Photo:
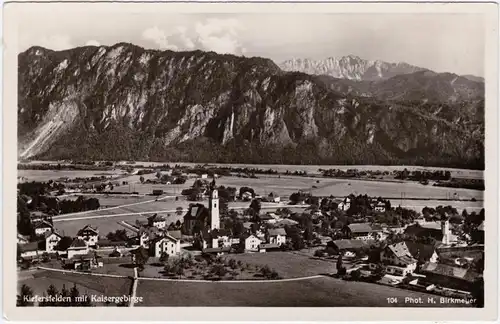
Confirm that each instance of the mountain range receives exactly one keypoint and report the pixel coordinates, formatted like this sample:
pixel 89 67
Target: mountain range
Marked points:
pixel 353 67
pixel 124 102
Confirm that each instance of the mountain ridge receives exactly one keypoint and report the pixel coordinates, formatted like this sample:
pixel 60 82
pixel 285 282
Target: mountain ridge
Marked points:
pixel 353 67
pixel 126 102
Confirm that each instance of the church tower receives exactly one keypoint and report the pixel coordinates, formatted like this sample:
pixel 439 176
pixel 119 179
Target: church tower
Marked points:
pixel 213 205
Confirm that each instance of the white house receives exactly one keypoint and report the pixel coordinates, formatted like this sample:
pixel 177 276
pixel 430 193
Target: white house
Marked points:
pixel 89 235
pixel 157 221
pixel 216 238
pixel 167 244
pixel 345 204
pixel 398 259
pixel 51 241
pixel 42 227
pixel 77 247
pixel 246 196
pixel 277 236
pixel 379 207
pixel 250 243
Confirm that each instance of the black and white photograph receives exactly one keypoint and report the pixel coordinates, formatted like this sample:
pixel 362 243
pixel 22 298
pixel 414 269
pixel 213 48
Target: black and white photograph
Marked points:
pixel 250 157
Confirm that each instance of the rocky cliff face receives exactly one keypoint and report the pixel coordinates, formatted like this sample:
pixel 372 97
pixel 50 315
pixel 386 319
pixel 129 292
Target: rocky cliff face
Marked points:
pixel 124 102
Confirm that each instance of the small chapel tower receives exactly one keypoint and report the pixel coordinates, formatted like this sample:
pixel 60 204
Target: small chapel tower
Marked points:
pixel 213 205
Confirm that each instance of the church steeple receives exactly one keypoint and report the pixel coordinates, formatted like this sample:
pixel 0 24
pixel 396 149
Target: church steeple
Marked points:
pixel 213 203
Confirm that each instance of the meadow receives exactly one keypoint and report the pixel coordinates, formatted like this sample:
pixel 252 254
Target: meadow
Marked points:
pixel 316 292
pixel 86 284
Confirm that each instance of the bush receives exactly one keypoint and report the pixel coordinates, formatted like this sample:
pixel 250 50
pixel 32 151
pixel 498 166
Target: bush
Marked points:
pixel 319 253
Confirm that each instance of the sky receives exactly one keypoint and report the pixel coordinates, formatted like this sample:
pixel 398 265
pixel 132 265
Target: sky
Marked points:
pixel 440 42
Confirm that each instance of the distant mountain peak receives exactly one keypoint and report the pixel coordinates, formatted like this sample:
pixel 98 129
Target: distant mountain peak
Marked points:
pixel 350 67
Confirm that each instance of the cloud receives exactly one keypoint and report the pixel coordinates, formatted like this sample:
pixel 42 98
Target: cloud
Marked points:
pixel 92 42
pixel 220 35
pixel 55 42
pixel 214 34
pixel 159 37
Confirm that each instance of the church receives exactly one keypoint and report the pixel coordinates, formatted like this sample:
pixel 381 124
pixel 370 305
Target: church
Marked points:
pixel 200 218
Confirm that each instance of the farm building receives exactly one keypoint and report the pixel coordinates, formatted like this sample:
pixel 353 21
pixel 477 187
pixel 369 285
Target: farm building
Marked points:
pixel 449 276
pixel 363 231
pixel 343 246
pixel 77 247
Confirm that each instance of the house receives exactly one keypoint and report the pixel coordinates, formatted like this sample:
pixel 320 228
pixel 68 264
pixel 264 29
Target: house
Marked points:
pixel 246 196
pixel 204 176
pixel 157 221
pixel 89 235
pixel 42 227
pixel 276 236
pixel 85 262
pixel 264 247
pixel 286 222
pixel 37 216
pixel 351 246
pixel 440 231
pixel 422 252
pixel 379 207
pixel 250 243
pixel 166 244
pixel 345 204
pixel 29 250
pixel 266 218
pixel 214 238
pixel 105 243
pixel 175 234
pixel 51 240
pixel 77 247
pixel 363 231
pixel 147 234
pixel 196 217
pixel 449 276
pixel 22 239
pixel 273 197
pixel 398 259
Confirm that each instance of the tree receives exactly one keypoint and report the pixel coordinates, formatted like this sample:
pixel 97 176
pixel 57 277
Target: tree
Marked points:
pixel 25 294
pixel 158 175
pixel 64 243
pixel 52 292
pixel 74 294
pixel 340 263
pixel 141 179
pixel 255 206
pixel 164 257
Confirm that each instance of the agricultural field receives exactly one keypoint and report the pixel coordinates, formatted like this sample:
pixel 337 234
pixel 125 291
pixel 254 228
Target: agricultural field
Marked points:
pixel 314 169
pixel 314 292
pixel 285 186
pixel 46 175
pixel 86 284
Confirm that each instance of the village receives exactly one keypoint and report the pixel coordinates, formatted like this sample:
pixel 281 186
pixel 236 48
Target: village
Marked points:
pixel 356 238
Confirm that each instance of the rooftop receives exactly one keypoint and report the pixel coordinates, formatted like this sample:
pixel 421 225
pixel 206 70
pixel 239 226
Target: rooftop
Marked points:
pixel 277 231
pixel 363 228
pixel 450 271
pixel 77 243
